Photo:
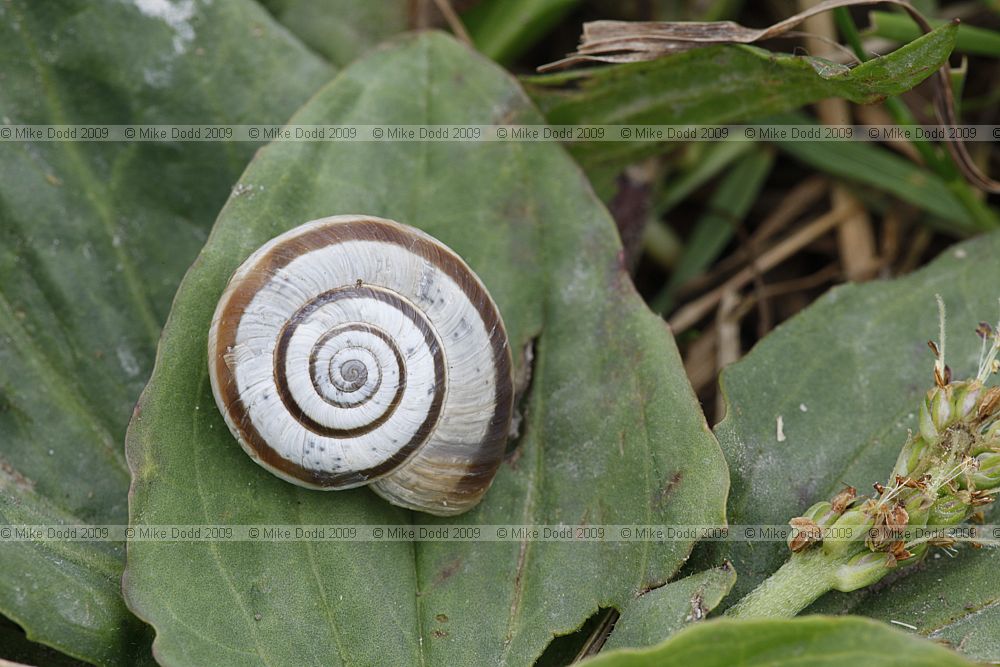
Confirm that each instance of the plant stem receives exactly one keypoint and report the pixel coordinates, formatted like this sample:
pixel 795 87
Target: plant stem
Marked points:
pixel 788 591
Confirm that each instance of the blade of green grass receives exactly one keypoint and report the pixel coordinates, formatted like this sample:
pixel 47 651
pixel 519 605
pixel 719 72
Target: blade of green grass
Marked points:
pixel 959 75
pixel 504 29
pixel 714 158
pixel 713 231
pixel 901 28
pixel 878 167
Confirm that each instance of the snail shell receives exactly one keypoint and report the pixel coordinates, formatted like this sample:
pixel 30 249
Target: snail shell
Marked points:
pixel 355 350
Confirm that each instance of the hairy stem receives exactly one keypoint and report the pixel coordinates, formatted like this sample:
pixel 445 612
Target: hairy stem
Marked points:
pixel 788 591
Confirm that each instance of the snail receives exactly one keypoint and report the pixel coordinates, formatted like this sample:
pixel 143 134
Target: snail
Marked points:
pixel 355 350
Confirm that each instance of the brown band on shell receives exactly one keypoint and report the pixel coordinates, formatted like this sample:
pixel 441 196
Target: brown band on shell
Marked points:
pixel 238 296
pixel 408 310
pixel 314 370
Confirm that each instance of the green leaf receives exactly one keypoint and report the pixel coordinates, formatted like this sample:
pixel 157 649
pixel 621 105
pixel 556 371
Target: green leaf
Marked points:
pixel 525 219
pixel 813 641
pixel 341 30
pixel 846 376
pixel 659 613
pixel 722 84
pixel 503 29
pixel 94 237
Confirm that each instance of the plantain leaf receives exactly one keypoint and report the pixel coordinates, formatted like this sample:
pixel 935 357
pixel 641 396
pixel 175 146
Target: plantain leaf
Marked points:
pixel 525 219
pixel 659 613
pixel 94 237
pixel 815 641
pixel 846 376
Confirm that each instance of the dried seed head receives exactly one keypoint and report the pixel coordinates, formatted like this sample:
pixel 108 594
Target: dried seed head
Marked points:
pixel 844 499
pixel 804 533
pixel 897 517
pixel 890 524
pixel 897 554
pixel 980 498
pixel 943 541
pixel 989 406
pixel 911 483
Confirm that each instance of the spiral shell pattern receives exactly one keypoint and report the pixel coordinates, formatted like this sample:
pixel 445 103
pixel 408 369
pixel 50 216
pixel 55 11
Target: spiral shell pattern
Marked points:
pixel 355 350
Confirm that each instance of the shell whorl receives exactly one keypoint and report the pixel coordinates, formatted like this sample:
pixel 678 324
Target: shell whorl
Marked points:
pixel 355 350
